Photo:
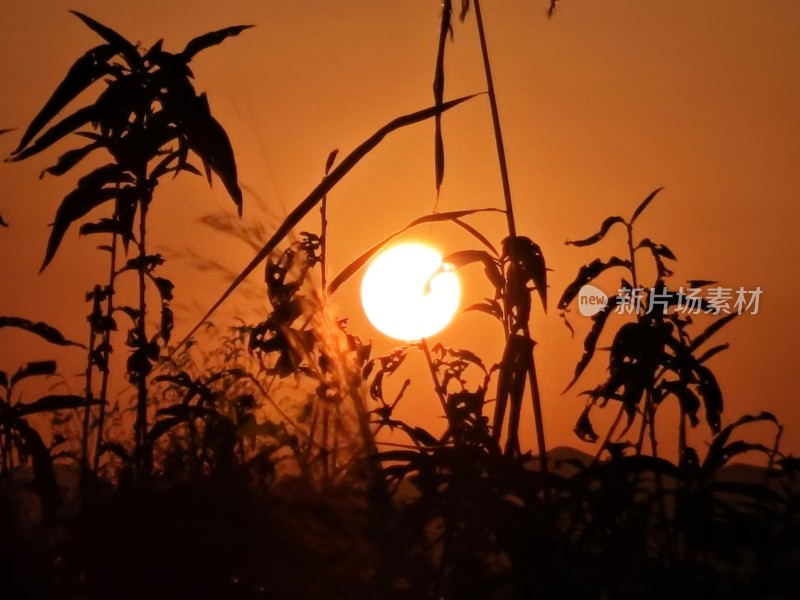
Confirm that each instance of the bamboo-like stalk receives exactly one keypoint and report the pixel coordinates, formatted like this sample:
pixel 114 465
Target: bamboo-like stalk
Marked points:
pixel 512 228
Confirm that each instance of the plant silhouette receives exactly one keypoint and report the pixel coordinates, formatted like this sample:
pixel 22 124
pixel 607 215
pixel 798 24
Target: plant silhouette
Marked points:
pixel 270 459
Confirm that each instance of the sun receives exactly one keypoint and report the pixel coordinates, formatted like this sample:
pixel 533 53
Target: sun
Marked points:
pixel 402 300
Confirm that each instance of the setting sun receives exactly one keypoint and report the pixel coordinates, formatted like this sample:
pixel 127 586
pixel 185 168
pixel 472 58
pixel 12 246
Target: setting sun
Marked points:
pixel 394 296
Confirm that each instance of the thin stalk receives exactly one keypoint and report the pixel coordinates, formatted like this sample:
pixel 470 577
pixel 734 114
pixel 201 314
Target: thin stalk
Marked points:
pixel 323 240
pixel 106 372
pixel 512 228
pixel 436 385
pixel 87 410
pixel 141 398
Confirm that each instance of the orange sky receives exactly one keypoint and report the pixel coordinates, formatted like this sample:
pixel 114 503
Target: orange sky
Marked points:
pixel 600 105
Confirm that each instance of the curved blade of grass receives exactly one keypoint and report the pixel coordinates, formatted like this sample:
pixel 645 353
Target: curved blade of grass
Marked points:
pixel 359 262
pixel 316 195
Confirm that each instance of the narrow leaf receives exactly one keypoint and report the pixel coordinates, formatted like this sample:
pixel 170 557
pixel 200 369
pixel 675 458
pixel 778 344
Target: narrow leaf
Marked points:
pixel 43 330
pixel 586 274
pixel 34 369
pixel 604 228
pixel 640 209
pixel 207 40
pixel 87 69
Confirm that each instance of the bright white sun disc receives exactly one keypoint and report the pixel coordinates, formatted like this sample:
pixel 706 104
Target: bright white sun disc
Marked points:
pixel 394 294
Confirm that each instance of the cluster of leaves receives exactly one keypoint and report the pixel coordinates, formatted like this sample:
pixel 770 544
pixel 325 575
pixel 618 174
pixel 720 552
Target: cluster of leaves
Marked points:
pixel 655 356
pixel 20 442
pixel 148 119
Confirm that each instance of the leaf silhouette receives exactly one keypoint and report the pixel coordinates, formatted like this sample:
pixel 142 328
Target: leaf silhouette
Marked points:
pixel 476 234
pixel 711 330
pixel 208 139
pixel 64 127
pixel 529 263
pixel 590 342
pixel 119 43
pixel 491 267
pixel 34 369
pixel 71 158
pixel 53 402
pixel 362 259
pixel 712 396
pixel 43 330
pixel 438 91
pixel 212 38
pixel 604 228
pixel 583 427
pixel 490 307
pixel 84 72
pixel 89 194
pixel 586 274
pixel 645 203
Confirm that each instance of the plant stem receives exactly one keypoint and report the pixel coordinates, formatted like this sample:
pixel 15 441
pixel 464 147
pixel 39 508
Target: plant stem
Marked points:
pixel 436 385
pixel 87 411
pixel 512 228
pixel 142 450
pixel 106 373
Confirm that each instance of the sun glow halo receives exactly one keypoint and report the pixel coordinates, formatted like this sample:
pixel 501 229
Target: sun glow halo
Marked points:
pixel 394 295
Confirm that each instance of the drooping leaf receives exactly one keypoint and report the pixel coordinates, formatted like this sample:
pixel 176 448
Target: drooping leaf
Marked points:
pixel 640 209
pixel 70 158
pixel 212 38
pixel 43 330
pixel 711 352
pixel 58 131
pixel 84 72
pixel 362 260
pixel 53 402
pixel 320 191
pixel 165 287
pixel 604 228
pixel 208 139
pixel 88 195
pixel 104 225
pixel 476 234
pixel 711 330
pixel 583 427
pixel 712 396
pixel 33 369
pixel 529 264
pixel 586 274
pixel 590 342
pixel 688 400
pixel 490 307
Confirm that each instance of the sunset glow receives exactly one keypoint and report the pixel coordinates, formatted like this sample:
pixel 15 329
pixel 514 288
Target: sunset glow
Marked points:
pixel 394 296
